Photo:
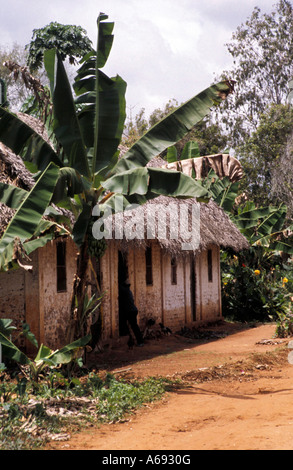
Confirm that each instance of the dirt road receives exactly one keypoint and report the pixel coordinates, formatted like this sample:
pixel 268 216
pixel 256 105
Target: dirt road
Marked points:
pixel 237 395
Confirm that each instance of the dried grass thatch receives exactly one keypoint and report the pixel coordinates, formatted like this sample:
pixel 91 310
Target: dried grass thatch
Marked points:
pixel 215 227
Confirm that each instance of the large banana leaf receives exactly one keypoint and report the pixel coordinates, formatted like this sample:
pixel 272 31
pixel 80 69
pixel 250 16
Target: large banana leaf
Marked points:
pixel 44 355
pixel 173 127
pixel 65 122
pixel 268 219
pixel 102 131
pixel 105 39
pixel 224 192
pixel 69 183
pixel 45 232
pixel 81 225
pixel 142 181
pixel 103 101
pixel 68 352
pixel 11 195
pixel 11 351
pixel 264 226
pixel 24 141
pixel 29 214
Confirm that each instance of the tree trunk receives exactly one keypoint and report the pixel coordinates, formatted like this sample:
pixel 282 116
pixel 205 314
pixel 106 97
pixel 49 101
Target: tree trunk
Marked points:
pixel 77 327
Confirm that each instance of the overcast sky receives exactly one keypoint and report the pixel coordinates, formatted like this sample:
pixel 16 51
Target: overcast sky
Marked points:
pixel 163 49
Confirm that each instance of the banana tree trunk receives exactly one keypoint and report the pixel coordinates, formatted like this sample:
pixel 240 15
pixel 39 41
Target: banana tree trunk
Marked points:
pixel 77 324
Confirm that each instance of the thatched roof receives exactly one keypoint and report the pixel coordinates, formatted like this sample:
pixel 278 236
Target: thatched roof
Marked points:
pixel 214 225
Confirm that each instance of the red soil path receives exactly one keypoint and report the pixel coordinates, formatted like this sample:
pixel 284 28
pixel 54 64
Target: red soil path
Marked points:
pixel 237 394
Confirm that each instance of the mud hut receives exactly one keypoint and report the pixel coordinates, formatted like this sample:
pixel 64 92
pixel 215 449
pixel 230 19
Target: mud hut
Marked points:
pixel 173 265
pixel 39 292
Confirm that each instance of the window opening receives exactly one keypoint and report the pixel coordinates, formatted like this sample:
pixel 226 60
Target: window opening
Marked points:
pixel 61 267
pixel 149 266
pixel 173 271
pixel 210 265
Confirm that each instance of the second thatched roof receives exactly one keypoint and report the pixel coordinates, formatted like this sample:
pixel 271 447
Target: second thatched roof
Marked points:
pixel 213 226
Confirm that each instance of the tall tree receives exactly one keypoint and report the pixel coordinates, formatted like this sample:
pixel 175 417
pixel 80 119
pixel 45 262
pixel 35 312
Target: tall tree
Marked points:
pixel 262 50
pixel 71 42
pixel 265 156
pixel 282 175
pixel 17 92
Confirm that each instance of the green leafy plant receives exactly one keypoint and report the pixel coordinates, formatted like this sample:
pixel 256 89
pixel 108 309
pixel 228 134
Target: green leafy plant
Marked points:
pixel 70 40
pixel 118 398
pixel 284 326
pixel 45 357
pixel 253 287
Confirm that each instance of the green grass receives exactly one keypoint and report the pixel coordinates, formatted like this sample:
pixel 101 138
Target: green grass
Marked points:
pixel 32 414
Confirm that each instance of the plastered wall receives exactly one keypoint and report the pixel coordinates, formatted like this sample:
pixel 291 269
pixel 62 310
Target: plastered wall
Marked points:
pixel 163 301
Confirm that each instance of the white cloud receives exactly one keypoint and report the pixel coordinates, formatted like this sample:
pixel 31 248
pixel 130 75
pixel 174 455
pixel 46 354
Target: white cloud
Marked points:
pixel 164 49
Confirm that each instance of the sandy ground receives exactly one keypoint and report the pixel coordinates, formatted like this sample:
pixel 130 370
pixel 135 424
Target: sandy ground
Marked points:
pixel 237 394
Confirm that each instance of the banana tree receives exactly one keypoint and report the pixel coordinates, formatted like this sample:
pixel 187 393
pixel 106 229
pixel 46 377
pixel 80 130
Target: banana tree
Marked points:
pixel 45 357
pixel 87 129
pixel 262 226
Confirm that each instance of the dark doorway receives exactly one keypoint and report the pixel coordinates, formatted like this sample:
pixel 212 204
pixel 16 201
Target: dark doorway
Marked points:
pixel 122 276
pixel 193 288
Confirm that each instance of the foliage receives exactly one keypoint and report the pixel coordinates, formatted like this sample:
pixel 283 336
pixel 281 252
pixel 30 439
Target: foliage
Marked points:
pixel 45 357
pixel 261 154
pixel 252 282
pixel 27 220
pixel 6 326
pixel 31 416
pixel 265 226
pixel 17 92
pixel 207 134
pixel 71 41
pixel 253 287
pixel 262 52
pixel 282 176
pixel 262 226
pixel 119 398
pixel 284 323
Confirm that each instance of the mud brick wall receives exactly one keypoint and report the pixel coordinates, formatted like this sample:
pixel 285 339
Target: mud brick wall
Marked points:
pixel 12 297
pixel 148 298
pixel 54 309
pixel 164 301
pixel 109 288
pixel 209 306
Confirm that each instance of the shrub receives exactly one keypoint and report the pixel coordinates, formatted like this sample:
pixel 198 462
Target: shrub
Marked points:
pixel 256 286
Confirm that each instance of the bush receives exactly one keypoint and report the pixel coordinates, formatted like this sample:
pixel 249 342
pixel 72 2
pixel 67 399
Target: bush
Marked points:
pixel 256 286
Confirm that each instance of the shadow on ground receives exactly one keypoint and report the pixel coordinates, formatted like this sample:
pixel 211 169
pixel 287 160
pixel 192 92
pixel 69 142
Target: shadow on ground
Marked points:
pixel 119 355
